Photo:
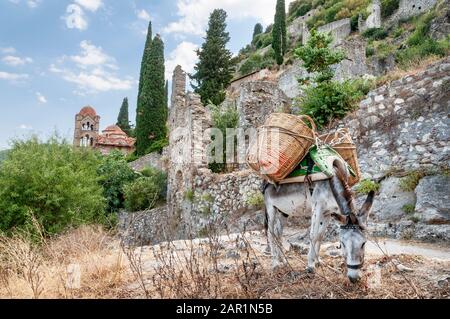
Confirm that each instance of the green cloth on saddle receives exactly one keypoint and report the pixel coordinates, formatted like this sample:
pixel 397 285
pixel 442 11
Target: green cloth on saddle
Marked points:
pixel 320 156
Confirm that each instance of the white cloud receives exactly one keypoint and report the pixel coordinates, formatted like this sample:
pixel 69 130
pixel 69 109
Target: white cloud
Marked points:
pixel 25 127
pixel 33 3
pixel 143 15
pixel 8 50
pixel 91 55
pixel 92 70
pixel 30 3
pixel 16 61
pixel 91 5
pixel 184 55
pixel 12 76
pixel 75 18
pixel 194 14
pixel 41 99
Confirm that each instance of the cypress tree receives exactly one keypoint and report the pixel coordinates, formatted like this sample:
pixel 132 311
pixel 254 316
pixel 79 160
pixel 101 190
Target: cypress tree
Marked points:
pixel 166 97
pixel 279 38
pixel 258 29
pixel 144 65
pixel 213 72
pixel 151 114
pixel 122 120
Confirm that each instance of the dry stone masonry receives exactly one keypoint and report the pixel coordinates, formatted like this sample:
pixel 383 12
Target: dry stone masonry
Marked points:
pixel 404 124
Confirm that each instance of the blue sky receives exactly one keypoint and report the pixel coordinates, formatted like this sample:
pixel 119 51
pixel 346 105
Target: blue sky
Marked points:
pixel 57 56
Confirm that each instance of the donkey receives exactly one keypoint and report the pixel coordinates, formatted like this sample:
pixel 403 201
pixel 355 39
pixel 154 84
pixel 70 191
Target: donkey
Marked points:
pixel 327 200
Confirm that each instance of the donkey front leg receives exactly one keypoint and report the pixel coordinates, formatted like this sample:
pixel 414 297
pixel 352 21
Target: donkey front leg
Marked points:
pixel 319 223
pixel 275 222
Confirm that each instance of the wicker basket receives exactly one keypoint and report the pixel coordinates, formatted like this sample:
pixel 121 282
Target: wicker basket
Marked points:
pixel 342 142
pixel 282 142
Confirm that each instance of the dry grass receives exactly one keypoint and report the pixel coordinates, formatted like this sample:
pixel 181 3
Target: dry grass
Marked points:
pixel 413 68
pixel 30 269
pixel 197 269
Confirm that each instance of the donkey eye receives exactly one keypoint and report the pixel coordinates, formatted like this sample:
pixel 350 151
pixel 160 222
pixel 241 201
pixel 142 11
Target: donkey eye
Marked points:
pixel 364 244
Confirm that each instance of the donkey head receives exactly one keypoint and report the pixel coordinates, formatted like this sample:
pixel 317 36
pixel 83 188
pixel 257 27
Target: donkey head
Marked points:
pixel 353 237
pixel 353 223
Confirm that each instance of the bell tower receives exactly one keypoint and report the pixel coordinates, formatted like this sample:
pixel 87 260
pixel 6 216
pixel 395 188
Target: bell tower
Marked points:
pixel 87 124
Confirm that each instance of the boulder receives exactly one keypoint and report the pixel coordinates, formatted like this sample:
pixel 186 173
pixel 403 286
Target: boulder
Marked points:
pixel 388 205
pixel 433 200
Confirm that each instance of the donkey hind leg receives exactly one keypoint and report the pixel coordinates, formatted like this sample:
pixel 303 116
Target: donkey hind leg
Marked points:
pixel 275 220
pixel 319 223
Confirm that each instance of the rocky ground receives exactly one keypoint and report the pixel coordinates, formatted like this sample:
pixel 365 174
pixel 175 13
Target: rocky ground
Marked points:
pixel 239 267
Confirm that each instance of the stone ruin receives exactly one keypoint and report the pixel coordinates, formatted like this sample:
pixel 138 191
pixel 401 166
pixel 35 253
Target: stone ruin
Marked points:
pixel 373 20
pixel 339 30
pixel 195 193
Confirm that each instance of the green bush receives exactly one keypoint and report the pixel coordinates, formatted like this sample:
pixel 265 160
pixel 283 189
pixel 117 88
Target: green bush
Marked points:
pixel 54 182
pixel 409 208
pixel 262 40
pixel 146 191
pixel 366 185
pixel 298 9
pixel 325 99
pixel 258 62
pixel 255 200
pixel 370 51
pixel 131 157
pixel 329 100
pixel 409 182
pixel 189 195
pixel 388 7
pixel 375 34
pixel 158 145
pixel 223 116
pixel 114 174
pixel 409 57
pixel 398 32
pixel 420 45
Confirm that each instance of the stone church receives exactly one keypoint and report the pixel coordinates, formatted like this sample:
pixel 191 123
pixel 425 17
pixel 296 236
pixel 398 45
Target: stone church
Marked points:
pixel 87 125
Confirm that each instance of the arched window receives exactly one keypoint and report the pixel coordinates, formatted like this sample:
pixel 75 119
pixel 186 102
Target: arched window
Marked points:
pixel 81 142
pixel 92 141
pixel 92 127
pixel 83 127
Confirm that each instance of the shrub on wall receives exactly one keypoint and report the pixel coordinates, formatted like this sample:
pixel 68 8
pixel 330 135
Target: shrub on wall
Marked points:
pixel 323 98
pixel 375 34
pixel 223 116
pixel 420 45
pixel 114 174
pixel 146 191
pixel 388 7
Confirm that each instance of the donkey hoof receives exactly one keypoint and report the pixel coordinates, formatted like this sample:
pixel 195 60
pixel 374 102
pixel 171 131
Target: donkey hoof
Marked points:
pixel 310 270
pixel 267 251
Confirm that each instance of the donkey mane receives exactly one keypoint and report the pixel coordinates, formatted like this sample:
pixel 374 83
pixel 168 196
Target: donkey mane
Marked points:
pixel 341 190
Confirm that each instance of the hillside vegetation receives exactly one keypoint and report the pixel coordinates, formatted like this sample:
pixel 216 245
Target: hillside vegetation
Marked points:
pixel 407 43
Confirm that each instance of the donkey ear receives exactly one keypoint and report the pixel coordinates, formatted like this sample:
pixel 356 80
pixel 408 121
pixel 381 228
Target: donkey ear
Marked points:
pixel 365 209
pixel 339 218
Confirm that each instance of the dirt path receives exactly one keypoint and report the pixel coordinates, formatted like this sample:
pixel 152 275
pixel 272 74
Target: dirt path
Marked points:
pixel 391 246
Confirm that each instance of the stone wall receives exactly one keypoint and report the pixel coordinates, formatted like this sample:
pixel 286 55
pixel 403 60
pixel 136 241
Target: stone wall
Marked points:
pixel 188 122
pixel 295 28
pixel 373 20
pixel 411 8
pixel 339 30
pixel 356 64
pixel 408 9
pixel 154 160
pixel 404 124
pixel 259 99
pixel 224 195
